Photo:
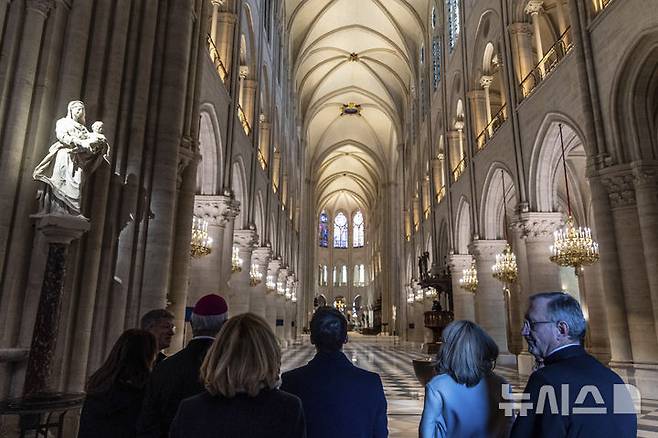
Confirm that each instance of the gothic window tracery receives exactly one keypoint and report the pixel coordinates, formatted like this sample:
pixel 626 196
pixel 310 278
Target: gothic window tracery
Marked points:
pixel 340 231
pixel 324 230
pixel 358 238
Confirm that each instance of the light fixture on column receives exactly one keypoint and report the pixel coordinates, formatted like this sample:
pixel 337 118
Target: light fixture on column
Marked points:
pixel 573 246
pixel 430 292
pixel 269 283
pixel 236 261
pixel 410 294
pixel 280 290
pixel 201 244
pixel 505 269
pixel 469 280
pixel 255 276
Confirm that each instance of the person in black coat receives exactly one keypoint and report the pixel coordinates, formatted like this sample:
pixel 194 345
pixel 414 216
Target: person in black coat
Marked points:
pixel 339 399
pixel 598 405
pixel 241 374
pixel 115 391
pixel 177 377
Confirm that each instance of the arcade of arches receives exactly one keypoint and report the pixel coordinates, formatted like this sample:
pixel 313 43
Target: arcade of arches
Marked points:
pixel 324 146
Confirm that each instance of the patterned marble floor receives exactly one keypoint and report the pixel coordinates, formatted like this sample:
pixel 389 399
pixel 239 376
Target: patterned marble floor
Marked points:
pixel 391 359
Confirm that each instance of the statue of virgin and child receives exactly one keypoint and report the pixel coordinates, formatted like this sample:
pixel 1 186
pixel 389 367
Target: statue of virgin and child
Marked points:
pixel 70 161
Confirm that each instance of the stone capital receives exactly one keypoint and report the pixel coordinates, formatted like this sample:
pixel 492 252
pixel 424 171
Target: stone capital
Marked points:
pixel 645 175
pixel 61 228
pixel 261 256
pixel 215 209
pixel 283 274
pixel 217 2
pixel 227 17
pixel 520 28
pixel 485 81
pixel 459 262
pixel 534 7
pixel 619 182
pixel 538 225
pixel 246 240
pixel 485 250
pixel 42 7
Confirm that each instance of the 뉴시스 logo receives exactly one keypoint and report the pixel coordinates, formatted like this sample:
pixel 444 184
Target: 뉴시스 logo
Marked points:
pixel 626 400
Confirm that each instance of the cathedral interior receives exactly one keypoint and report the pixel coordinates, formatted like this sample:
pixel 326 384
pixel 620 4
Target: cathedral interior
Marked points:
pixel 408 162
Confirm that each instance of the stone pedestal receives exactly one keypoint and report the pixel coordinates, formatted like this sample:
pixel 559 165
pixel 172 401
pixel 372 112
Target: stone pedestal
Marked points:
pixel 490 310
pixel 239 290
pixel 463 300
pixel 59 231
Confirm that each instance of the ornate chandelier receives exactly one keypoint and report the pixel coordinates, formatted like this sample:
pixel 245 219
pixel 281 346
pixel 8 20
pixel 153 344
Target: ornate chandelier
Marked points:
pixel 573 246
pixel 505 268
pixel 270 284
pixel 255 276
pixel 236 261
pixel 201 244
pixel 279 288
pixel 469 280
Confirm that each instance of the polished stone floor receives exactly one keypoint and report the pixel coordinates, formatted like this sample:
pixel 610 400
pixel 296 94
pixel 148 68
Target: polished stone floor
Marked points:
pixel 391 359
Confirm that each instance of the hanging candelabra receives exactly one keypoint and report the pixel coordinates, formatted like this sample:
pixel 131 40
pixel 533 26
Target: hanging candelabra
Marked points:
pixel 573 246
pixel 469 280
pixel 201 244
pixel 269 283
pixel 255 276
pixel 236 261
pixel 505 268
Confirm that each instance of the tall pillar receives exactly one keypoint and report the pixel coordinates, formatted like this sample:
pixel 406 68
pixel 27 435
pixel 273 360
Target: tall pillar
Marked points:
pixel 533 8
pixel 562 21
pixel 281 306
pixel 226 25
pixel 290 309
pixel 646 192
pixel 271 308
pixel 260 258
pixel 214 21
pixel 490 309
pixel 485 82
pixel 231 211
pixel 521 34
pixel 249 87
pixel 264 140
pixel 463 300
pixel 478 103
pixel 239 290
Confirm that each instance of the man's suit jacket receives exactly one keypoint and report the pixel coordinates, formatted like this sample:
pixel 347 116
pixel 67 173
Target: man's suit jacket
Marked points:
pixel 172 380
pixel 339 399
pixel 572 366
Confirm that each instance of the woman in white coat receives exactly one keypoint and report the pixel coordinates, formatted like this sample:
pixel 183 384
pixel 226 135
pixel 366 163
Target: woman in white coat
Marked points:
pixel 462 400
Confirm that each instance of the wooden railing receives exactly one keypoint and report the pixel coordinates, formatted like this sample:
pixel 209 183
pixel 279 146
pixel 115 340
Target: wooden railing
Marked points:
pixel 547 64
pixel 459 169
pixel 491 128
pixel 243 120
pixel 217 60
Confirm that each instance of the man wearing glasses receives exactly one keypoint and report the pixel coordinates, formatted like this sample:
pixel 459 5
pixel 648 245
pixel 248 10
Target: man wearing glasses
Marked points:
pixel 572 394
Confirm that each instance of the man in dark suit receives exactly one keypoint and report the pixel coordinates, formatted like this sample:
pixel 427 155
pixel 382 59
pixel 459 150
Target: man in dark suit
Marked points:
pixel 598 404
pixel 160 322
pixel 177 377
pixel 339 399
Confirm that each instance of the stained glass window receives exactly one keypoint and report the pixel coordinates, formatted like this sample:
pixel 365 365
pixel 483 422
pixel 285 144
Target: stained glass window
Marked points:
pixel 359 232
pixel 340 231
pixel 453 22
pixel 324 229
pixel 436 61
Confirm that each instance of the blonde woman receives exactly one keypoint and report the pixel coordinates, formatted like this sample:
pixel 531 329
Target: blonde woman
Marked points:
pixel 241 376
pixel 462 401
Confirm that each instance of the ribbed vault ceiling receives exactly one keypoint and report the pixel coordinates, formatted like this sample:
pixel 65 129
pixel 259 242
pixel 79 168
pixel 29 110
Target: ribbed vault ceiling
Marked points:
pixel 351 155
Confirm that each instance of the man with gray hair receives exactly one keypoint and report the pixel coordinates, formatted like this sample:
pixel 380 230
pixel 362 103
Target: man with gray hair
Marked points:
pixel 572 394
pixel 178 377
pixel 160 322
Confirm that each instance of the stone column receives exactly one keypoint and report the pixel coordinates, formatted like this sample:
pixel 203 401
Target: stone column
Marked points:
pixel 478 103
pixel 249 87
pixel 290 309
pixel 226 26
pixel 271 308
pixel 264 140
pixel 281 306
pixel 645 179
pixel 522 49
pixel 635 283
pixel 260 258
pixel 59 231
pixel 485 82
pixel 463 300
pixel 214 21
pixel 533 8
pixel 239 290
pixel 490 310
pixel 230 212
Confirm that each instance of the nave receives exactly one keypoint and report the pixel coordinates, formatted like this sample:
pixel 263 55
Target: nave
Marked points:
pixel 391 359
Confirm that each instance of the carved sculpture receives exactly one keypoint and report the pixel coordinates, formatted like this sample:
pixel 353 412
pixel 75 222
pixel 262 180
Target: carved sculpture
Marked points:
pixel 70 161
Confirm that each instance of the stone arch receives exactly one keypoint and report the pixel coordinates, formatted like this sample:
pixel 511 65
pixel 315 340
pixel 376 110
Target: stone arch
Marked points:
pixel 239 186
pixel 209 171
pixel 443 247
pixel 463 235
pixel 545 161
pixel 635 102
pixel 492 207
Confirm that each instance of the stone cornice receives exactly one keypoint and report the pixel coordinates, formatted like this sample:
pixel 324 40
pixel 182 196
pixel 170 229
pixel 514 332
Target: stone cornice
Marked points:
pixel 245 239
pixel 645 175
pixel 216 209
pixel 459 262
pixel 620 184
pixel 261 256
pixel 486 249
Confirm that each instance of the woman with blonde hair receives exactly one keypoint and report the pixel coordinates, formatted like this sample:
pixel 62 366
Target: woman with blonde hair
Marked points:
pixel 462 400
pixel 241 374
